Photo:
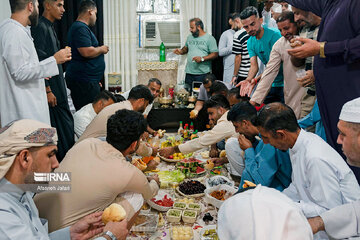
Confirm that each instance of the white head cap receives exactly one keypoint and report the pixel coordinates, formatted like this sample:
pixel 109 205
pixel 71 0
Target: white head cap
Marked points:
pixel 276 8
pixel 262 213
pixel 350 112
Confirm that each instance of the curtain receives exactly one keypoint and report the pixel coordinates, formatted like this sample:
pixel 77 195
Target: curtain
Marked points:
pixel 121 37
pixel 190 9
pixel 220 24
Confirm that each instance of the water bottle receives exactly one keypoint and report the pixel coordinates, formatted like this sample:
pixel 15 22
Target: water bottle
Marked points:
pixel 162 52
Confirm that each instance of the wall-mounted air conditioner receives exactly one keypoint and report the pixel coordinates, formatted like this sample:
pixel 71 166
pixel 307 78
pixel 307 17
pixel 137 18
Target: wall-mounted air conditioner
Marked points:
pixel 156 31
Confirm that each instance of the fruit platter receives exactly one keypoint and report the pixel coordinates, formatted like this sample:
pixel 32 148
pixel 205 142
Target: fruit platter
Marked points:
pixel 176 157
pixel 191 188
pixel 192 168
pixel 168 177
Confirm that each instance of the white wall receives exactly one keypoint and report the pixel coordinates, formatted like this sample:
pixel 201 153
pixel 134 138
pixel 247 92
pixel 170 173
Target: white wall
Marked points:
pixel 4 10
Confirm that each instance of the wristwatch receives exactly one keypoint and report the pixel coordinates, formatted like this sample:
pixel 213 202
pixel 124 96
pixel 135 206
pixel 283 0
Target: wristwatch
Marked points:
pixel 110 234
pixel 202 59
pixel 322 50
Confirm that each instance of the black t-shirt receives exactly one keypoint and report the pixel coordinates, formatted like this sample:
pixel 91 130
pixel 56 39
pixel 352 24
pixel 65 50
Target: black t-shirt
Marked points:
pixel 80 68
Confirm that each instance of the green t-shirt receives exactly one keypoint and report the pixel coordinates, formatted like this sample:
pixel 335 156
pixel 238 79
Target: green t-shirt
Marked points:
pixel 200 46
pixel 262 48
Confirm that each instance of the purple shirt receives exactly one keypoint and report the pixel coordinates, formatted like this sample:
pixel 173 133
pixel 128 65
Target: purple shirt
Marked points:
pixel 338 75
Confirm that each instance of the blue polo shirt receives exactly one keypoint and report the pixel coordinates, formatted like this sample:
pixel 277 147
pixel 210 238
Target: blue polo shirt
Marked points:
pixel 80 68
pixel 267 166
pixel 262 48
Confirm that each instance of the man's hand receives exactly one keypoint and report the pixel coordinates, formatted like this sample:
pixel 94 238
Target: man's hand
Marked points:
pixel 244 142
pixel 104 49
pixel 197 59
pixel 317 224
pixel 51 99
pixel 219 161
pixel 308 79
pixel 233 81
pixel 214 152
pixel 119 229
pixel 308 49
pixel 253 103
pixel 177 51
pixel 246 87
pixel 166 152
pixel 194 113
pixel 145 136
pixel 63 55
pixel 154 177
pixel 87 227
pixel 152 165
pixel 155 151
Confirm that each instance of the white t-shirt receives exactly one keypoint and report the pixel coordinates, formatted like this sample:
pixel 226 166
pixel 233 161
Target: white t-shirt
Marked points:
pixel 83 118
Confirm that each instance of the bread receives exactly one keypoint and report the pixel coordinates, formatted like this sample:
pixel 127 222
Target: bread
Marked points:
pixel 210 165
pixel 114 213
pixel 157 159
pixel 222 153
pixel 137 162
pixel 248 184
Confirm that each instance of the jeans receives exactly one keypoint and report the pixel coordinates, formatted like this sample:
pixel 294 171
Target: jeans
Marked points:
pixel 190 78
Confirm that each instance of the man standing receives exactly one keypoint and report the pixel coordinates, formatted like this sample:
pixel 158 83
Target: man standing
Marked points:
pixel 225 50
pixel 260 45
pixel 85 71
pixel 279 56
pixel 344 221
pixel 22 92
pixel 242 58
pixel 200 48
pixel 337 56
pixel 321 180
pixel 46 44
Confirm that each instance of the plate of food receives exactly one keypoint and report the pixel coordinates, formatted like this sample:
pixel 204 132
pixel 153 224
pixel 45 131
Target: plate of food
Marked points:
pixel 161 202
pixel 218 194
pixel 145 223
pixel 169 177
pixel 218 180
pixel 191 188
pixel 176 157
pixel 209 233
pixel 192 167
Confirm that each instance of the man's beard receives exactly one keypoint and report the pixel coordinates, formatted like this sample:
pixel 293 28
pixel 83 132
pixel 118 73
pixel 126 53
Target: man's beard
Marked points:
pixel 196 34
pixel 34 18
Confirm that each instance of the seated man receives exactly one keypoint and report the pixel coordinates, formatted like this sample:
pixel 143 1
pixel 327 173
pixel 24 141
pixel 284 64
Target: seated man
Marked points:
pixel 217 108
pixel 234 97
pixel 154 86
pixel 321 179
pixel 262 163
pixel 262 213
pixel 344 221
pixel 28 146
pixel 219 88
pixel 139 97
pixel 101 175
pixel 87 113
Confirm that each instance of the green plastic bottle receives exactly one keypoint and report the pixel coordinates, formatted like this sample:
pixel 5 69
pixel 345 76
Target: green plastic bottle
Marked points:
pixel 162 52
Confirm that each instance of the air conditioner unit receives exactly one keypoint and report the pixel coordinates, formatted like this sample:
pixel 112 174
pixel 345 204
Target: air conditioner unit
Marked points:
pixel 156 31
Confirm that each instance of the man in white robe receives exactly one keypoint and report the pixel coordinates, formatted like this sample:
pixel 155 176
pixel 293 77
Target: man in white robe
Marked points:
pixel 22 92
pixel 321 179
pixel 344 221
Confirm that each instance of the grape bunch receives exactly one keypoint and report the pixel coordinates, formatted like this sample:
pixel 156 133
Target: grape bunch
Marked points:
pixel 192 187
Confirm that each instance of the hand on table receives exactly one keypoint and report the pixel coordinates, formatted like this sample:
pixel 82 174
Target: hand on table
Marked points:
pixel 214 153
pixel 87 227
pixel 308 49
pixel 219 161
pixel 244 142
pixel 152 165
pixel 308 79
pixel 154 177
pixel 166 152
pixel 155 151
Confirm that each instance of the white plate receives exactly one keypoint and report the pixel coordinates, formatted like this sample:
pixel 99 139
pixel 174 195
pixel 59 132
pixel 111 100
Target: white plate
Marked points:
pixel 160 196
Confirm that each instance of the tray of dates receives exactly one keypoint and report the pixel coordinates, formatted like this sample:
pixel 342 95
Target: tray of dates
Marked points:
pixel 191 188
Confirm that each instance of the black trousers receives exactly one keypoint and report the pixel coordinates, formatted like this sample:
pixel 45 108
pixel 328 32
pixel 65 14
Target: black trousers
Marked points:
pixel 82 93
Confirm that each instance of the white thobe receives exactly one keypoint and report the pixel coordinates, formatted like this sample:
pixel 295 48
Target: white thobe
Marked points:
pixel 321 179
pixel 83 118
pixel 147 109
pixel 22 91
pixel 225 51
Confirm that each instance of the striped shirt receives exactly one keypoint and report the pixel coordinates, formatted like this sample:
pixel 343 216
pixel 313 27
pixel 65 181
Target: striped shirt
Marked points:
pixel 240 47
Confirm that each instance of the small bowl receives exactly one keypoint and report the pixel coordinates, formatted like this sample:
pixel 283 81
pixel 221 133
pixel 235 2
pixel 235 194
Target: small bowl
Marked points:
pixel 195 207
pixel 190 236
pixel 180 205
pixel 171 218
pixel 189 219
